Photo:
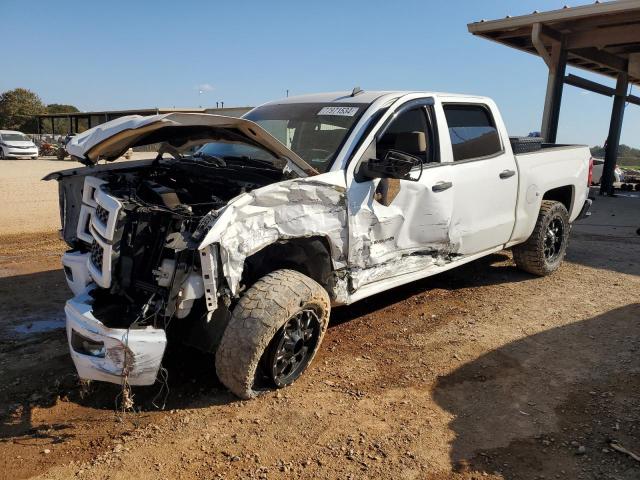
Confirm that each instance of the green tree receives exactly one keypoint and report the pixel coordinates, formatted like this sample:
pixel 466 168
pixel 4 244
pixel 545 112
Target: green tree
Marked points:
pixel 626 155
pixel 62 124
pixel 18 108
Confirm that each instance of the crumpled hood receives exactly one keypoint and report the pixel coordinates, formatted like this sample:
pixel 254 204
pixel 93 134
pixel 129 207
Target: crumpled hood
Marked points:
pixel 110 140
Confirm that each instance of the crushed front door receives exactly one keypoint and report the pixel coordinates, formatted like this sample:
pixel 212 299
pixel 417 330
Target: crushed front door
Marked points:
pixel 400 226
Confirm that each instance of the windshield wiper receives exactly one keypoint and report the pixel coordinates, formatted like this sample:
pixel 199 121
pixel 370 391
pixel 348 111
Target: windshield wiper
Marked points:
pixel 245 158
pixel 217 161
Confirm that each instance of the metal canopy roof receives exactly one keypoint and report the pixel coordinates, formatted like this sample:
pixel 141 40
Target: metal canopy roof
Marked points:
pixel 140 111
pixel 602 38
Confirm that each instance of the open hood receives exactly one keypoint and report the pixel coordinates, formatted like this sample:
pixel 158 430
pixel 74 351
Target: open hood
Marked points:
pixel 110 140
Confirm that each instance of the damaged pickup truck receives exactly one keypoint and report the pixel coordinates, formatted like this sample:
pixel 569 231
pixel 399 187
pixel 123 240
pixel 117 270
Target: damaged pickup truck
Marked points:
pixel 240 234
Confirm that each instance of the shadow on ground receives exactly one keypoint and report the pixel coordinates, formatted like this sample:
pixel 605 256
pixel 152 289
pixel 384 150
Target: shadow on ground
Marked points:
pixel 48 374
pixel 610 238
pixel 493 269
pixel 519 410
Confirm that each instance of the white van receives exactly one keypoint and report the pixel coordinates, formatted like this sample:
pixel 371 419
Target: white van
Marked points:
pixel 15 144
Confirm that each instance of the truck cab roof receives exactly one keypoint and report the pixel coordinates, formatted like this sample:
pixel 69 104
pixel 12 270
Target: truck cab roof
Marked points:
pixel 363 96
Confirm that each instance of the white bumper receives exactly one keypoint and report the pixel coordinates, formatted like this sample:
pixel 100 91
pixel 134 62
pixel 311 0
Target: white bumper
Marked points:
pixel 21 152
pixel 139 350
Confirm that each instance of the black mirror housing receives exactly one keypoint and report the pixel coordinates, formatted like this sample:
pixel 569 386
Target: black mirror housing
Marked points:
pixel 394 165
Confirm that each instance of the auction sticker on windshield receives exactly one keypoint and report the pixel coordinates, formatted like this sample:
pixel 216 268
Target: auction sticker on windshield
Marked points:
pixel 339 111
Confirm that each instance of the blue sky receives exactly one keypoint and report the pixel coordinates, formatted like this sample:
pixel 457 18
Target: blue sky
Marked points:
pixel 116 54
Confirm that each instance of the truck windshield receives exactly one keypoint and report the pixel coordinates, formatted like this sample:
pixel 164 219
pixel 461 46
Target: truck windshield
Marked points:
pixel 315 131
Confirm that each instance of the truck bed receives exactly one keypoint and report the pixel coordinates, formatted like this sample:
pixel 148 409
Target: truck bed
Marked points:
pixel 549 167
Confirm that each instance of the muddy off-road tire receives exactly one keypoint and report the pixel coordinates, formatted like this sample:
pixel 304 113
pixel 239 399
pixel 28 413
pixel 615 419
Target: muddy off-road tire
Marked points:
pixel 274 333
pixel 544 250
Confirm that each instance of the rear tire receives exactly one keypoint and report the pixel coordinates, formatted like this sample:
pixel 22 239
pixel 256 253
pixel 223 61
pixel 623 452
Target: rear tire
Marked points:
pixel 274 332
pixel 544 250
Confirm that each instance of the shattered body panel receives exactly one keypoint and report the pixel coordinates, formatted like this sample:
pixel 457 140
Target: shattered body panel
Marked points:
pixel 412 232
pixel 292 209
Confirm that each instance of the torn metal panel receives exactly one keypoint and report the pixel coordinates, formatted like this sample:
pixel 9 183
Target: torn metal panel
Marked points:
pixel 341 288
pixel 291 209
pixel 384 239
pixel 401 265
pixel 75 271
pixel 391 224
pixel 208 262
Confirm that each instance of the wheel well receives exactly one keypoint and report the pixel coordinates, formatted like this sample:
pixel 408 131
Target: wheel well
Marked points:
pixel 564 195
pixel 310 256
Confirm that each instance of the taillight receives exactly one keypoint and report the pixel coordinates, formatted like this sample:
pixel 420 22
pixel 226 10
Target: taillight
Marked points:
pixel 590 177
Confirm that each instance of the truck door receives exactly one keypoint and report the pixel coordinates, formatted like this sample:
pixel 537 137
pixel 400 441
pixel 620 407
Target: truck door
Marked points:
pixel 485 178
pixel 396 225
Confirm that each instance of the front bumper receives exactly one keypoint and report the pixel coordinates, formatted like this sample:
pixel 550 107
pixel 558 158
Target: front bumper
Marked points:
pixel 136 351
pixel 21 153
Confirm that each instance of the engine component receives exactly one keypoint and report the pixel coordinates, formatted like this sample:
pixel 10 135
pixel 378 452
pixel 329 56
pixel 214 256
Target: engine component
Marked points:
pixel 164 274
pixel 192 289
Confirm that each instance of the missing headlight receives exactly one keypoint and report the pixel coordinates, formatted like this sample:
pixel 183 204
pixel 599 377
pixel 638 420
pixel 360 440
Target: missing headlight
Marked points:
pixel 86 346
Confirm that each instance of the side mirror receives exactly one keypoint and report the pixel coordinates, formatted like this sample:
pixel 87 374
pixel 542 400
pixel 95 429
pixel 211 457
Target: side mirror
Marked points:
pixel 394 165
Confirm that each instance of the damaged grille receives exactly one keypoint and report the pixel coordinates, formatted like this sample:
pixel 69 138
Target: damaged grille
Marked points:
pixel 97 252
pixel 97 227
pixel 102 214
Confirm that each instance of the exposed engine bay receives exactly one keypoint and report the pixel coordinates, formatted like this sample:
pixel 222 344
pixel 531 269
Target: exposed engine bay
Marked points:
pixel 134 232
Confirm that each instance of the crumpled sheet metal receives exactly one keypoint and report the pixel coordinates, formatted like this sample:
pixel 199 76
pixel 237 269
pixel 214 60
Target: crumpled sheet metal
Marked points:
pixel 383 242
pixel 401 265
pixel 296 208
pixel 409 234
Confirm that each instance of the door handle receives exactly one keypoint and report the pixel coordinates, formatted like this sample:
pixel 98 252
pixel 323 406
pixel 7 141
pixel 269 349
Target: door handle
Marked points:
pixel 507 174
pixel 441 186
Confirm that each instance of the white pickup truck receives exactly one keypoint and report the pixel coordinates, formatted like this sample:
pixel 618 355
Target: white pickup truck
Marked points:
pixel 242 246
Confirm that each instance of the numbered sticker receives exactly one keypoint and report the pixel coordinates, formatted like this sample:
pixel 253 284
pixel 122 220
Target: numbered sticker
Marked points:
pixel 339 111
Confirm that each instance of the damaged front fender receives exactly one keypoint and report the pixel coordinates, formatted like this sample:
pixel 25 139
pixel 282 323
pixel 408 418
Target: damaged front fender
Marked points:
pixel 303 207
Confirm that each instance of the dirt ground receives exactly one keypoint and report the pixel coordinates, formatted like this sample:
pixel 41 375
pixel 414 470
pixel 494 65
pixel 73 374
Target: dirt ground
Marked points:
pixel 481 372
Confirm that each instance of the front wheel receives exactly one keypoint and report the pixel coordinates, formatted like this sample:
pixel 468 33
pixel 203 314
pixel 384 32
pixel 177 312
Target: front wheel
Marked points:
pixel 544 250
pixel 274 332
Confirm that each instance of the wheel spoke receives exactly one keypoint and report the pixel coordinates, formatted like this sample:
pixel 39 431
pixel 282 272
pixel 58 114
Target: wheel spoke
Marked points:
pixel 291 354
pixel 307 321
pixel 298 322
pixel 553 239
pixel 280 366
pixel 289 346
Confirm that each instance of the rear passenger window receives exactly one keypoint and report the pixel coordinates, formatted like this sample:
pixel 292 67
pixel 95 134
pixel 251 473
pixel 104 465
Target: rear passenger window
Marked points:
pixel 472 130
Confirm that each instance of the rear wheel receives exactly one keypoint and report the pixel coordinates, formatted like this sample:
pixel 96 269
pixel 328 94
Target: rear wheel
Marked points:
pixel 544 250
pixel 274 333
